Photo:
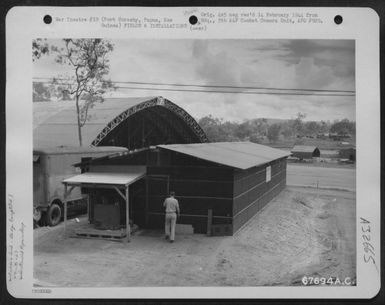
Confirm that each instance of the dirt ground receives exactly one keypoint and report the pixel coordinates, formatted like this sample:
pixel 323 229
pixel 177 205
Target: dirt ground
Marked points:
pixel 299 233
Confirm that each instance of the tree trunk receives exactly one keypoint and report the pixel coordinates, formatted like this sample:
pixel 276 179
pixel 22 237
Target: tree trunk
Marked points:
pixel 78 118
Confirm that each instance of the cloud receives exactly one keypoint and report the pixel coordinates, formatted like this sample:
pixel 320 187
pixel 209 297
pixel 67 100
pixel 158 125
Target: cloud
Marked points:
pixel 220 63
pixel 316 64
pixel 310 75
pixel 335 58
pixel 214 69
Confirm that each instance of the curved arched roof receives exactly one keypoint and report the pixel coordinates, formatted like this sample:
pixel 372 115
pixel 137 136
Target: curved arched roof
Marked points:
pixel 128 122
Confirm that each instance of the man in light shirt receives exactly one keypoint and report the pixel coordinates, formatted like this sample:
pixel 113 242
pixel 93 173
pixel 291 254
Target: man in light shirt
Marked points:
pixel 172 211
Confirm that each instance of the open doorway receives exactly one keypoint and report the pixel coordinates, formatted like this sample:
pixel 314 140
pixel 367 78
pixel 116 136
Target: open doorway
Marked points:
pixel 158 188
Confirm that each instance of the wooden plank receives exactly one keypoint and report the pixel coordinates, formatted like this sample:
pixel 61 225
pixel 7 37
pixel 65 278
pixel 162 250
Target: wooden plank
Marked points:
pixel 193 172
pixel 96 232
pixel 120 193
pixel 127 215
pixel 146 204
pixel 88 207
pixel 197 197
pixel 102 238
pixel 209 221
pixel 192 188
pixel 65 210
pixel 192 215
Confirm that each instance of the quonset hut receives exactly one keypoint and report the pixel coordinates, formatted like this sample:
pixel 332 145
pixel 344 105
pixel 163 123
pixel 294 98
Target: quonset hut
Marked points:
pixel 219 184
pixel 133 123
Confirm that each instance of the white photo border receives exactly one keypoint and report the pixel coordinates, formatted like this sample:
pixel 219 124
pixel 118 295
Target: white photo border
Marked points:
pixel 25 23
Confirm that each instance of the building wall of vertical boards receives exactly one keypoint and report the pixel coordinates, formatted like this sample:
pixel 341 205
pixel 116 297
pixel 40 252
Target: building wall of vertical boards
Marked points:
pixel 233 195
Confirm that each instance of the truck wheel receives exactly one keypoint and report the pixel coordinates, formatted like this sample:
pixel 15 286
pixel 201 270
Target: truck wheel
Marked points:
pixel 53 215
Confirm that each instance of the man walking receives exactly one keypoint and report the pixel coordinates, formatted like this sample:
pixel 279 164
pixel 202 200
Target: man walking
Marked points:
pixel 172 210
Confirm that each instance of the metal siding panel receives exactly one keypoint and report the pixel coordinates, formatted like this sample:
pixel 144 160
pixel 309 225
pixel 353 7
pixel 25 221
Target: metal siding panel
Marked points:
pixel 195 198
pixel 265 192
pixel 203 188
pixel 194 172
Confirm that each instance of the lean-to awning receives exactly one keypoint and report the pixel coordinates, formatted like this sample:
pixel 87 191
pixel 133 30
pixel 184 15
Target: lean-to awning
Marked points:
pixel 105 179
pixel 108 178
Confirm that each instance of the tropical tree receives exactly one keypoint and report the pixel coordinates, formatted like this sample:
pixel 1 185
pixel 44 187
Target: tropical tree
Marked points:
pixel 39 47
pixel 273 132
pixel 344 127
pixel 298 123
pixel 311 127
pixel 87 83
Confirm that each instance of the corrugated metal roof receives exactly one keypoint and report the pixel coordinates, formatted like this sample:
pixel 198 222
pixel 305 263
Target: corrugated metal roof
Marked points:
pixel 78 150
pixel 56 122
pixel 111 178
pixel 242 155
pixel 303 148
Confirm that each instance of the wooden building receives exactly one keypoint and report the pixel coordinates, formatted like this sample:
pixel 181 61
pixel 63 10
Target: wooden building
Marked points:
pixel 223 184
pixel 305 152
pixel 348 153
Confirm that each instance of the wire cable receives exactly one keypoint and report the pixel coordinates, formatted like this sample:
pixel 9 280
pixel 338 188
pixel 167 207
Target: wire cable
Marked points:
pixel 217 86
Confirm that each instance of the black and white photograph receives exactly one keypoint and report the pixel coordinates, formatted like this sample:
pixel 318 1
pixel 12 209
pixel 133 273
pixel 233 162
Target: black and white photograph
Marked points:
pixel 193 153
pixel 193 162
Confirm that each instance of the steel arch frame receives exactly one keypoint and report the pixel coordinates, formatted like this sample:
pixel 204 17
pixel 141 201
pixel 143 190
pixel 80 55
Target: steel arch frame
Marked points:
pixel 158 101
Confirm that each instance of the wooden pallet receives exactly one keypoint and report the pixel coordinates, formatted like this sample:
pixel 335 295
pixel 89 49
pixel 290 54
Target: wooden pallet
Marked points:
pixel 116 235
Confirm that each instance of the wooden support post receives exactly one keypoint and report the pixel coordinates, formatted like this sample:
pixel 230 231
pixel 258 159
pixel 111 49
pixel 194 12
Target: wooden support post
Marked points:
pixel 146 205
pixel 120 193
pixel 209 221
pixel 128 229
pixel 88 207
pixel 65 210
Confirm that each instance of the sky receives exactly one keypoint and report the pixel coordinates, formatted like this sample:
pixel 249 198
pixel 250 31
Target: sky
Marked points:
pixel 304 64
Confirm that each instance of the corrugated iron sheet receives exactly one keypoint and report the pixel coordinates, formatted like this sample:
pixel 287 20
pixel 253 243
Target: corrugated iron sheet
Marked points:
pixel 78 150
pixel 242 155
pixel 303 148
pixel 113 178
pixel 55 123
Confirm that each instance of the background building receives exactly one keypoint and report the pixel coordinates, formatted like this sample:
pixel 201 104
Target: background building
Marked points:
pixel 305 152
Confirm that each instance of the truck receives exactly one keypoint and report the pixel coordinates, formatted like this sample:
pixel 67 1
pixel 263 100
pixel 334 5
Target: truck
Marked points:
pixel 53 164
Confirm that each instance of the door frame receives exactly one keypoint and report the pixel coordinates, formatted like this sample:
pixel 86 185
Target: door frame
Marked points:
pixel 160 177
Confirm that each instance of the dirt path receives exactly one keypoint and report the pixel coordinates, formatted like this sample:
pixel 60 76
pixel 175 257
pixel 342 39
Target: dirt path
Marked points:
pixel 299 233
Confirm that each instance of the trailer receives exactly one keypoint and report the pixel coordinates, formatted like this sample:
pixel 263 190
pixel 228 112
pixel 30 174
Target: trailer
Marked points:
pixel 51 165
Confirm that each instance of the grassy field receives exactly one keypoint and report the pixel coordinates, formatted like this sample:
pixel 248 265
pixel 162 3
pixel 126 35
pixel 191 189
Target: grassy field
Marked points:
pixel 322 144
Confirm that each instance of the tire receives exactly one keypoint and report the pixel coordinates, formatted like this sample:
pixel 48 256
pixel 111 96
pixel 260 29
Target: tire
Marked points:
pixel 54 215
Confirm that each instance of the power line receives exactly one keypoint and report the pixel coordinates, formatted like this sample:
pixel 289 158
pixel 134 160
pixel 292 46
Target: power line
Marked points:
pixel 234 87
pixel 216 86
pixel 304 92
pixel 232 92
